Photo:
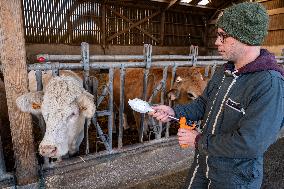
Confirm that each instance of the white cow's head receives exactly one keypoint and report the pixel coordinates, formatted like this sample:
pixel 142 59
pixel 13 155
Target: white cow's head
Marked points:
pixel 64 105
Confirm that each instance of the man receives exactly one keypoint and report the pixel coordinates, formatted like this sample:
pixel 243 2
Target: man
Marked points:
pixel 242 107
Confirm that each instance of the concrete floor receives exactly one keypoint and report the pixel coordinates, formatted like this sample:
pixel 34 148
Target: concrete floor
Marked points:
pixel 273 172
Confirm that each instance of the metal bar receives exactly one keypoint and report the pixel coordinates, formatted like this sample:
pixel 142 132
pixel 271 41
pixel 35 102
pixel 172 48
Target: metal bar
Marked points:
pixel 121 106
pixel 104 92
pixel 103 138
pixel 95 84
pixel 48 57
pixel 155 91
pixel 110 108
pixel 129 57
pixel 207 69
pixel 86 64
pixel 103 113
pixel 213 68
pixel 38 75
pixel 55 69
pixel 174 69
pixel 107 65
pixel 148 62
pixel 86 68
pixel 86 135
pixel 165 75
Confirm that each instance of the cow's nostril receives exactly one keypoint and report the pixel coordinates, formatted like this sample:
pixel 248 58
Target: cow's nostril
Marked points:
pixel 191 96
pixel 48 150
pixel 54 150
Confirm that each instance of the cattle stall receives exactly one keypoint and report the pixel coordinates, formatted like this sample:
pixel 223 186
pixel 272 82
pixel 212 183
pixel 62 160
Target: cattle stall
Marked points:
pixel 119 159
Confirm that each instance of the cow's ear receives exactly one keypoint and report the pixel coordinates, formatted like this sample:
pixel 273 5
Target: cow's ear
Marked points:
pixel 30 102
pixel 86 104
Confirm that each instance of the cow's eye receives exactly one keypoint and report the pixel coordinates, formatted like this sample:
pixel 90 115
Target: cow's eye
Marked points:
pixel 178 79
pixel 72 115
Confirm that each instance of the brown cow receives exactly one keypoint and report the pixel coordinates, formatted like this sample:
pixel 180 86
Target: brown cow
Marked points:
pixel 187 86
pixel 134 86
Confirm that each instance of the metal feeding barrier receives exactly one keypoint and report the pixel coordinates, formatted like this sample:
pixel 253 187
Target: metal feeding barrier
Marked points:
pixel 87 62
pixel 111 62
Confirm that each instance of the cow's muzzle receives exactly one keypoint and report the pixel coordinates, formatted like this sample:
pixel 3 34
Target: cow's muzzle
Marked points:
pixel 48 150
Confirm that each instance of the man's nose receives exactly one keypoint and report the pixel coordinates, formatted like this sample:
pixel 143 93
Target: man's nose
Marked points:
pixel 218 41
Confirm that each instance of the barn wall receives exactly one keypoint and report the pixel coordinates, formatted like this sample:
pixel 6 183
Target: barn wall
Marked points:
pixel 112 23
pixel 34 49
pixel 275 38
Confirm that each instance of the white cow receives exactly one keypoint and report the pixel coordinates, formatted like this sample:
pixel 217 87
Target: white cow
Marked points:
pixel 64 104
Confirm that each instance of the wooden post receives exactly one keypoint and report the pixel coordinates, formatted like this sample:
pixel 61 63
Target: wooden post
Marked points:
pixel 162 28
pixel 205 33
pixel 13 58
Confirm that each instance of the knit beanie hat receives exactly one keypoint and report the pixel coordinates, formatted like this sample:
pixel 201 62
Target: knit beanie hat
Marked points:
pixel 246 22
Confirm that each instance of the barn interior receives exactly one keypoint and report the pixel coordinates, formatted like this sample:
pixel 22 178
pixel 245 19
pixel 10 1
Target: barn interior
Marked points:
pixel 55 33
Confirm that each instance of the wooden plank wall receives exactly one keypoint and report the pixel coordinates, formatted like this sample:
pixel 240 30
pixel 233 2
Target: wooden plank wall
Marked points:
pixel 72 21
pixel 276 26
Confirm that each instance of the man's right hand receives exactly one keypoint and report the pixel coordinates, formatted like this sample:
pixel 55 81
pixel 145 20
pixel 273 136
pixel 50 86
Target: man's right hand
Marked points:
pixel 162 113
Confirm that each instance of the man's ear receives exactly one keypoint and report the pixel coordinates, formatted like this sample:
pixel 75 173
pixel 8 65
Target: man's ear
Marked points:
pixel 86 104
pixel 30 102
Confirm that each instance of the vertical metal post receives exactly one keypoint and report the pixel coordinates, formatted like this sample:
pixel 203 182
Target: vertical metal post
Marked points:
pixel 110 102
pixel 39 83
pixel 167 134
pixel 86 63
pixel 194 54
pixel 121 107
pixel 38 75
pixel 86 68
pixel 165 75
pixel 94 120
pixel 148 60
pixel 213 68
pixel 207 69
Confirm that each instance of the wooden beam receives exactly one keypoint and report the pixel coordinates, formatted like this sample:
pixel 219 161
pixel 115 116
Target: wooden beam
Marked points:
pixel 262 1
pixel 171 4
pixel 185 11
pixel 275 11
pixel 185 4
pixel 133 25
pixel 128 20
pixel 13 58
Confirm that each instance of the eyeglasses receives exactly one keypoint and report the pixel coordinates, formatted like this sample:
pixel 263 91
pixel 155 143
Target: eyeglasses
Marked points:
pixel 222 36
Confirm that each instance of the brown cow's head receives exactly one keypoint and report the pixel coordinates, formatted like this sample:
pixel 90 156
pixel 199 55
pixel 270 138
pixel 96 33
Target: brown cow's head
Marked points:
pixel 187 86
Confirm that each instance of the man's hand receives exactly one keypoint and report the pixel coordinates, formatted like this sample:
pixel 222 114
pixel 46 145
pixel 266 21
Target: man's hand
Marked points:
pixel 187 137
pixel 162 113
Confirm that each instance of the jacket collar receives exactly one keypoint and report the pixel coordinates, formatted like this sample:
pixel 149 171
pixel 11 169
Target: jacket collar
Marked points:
pixel 265 61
